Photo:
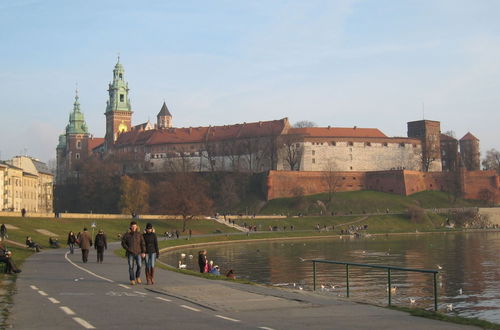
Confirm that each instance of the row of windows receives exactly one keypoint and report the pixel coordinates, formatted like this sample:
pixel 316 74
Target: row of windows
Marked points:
pixel 366 144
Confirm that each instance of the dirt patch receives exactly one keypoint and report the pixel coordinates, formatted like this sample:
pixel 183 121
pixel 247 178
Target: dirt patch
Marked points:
pixel 11 226
pixel 46 232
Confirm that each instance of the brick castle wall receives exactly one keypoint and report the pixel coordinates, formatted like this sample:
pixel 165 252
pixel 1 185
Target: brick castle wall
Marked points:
pixel 403 182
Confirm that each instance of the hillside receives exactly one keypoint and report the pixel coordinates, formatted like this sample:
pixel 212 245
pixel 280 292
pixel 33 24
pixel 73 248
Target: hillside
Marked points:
pixel 359 202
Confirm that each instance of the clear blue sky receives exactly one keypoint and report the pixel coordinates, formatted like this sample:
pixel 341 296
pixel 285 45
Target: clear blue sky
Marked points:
pixel 341 63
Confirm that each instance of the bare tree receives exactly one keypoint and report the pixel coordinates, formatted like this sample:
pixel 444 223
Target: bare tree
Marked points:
pixel 331 178
pixel 304 123
pixel 292 150
pixel 185 194
pixel 492 160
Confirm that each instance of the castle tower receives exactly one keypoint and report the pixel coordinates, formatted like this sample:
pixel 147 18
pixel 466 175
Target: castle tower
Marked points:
pixel 164 117
pixel 73 145
pixel 428 132
pixel 118 110
pixel 469 152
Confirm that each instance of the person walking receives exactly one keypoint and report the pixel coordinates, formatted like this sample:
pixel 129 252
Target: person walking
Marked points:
pixel 135 247
pixel 71 242
pixel 85 241
pixel 152 252
pixel 3 232
pixel 100 245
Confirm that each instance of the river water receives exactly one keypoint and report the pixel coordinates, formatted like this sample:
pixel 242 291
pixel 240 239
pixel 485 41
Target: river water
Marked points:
pixel 469 265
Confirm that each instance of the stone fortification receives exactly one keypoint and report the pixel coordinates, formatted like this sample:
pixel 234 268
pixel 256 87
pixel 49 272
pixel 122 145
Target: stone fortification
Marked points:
pixel 469 184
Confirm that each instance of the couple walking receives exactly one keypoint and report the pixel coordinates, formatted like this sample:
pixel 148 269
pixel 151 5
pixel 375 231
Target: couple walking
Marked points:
pixel 138 247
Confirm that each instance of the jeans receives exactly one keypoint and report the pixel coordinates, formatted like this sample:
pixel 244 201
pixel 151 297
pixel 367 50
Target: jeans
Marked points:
pixel 71 248
pixel 134 259
pixel 150 260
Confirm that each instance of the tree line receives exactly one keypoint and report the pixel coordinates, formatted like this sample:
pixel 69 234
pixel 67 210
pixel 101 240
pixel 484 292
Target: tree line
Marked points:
pixel 101 186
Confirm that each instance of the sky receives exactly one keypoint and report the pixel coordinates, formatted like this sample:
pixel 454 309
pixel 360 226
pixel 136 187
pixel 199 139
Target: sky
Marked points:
pixel 372 63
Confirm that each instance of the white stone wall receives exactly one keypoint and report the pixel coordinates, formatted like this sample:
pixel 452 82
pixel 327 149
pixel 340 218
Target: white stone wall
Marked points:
pixel 342 156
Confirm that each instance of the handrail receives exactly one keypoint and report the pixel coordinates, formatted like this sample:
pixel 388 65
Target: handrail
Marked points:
pixel 388 268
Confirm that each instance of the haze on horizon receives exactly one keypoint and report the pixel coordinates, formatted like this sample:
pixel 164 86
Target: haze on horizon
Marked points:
pixel 340 63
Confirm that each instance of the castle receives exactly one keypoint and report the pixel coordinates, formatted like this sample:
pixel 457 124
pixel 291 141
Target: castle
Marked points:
pixel 253 147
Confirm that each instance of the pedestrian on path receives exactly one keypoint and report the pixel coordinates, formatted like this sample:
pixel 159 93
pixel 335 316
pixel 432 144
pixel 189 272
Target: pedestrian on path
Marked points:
pixel 135 247
pixel 85 242
pixel 152 252
pixel 3 232
pixel 71 242
pixel 100 245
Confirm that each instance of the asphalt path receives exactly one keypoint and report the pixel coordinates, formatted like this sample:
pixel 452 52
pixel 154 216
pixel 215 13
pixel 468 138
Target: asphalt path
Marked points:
pixel 57 291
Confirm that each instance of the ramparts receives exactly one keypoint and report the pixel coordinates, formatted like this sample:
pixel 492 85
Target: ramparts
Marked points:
pixel 469 184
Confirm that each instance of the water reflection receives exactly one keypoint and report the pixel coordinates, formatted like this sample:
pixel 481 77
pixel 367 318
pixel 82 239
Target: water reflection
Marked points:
pixel 468 280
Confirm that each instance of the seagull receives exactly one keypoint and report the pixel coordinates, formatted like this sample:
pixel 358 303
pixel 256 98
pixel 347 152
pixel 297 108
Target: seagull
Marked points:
pixel 460 291
pixel 412 301
pixel 183 255
pixel 322 287
pixel 439 267
pixel 449 307
pixel 181 265
pixel 301 288
pixel 190 256
pixel 302 259
pixel 294 285
pixel 364 251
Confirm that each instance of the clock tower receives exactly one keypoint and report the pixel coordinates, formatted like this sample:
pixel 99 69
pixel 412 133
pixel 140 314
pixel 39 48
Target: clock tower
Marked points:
pixel 118 110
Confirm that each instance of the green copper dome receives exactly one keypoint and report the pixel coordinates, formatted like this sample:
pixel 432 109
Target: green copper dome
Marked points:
pixel 77 123
pixel 118 91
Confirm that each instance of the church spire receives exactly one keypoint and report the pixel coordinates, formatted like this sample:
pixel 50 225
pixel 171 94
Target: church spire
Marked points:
pixel 118 90
pixel 76 123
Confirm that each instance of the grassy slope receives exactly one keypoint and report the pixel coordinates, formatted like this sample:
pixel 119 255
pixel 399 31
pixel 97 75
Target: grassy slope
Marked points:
pixel 112 227
pixel 368 201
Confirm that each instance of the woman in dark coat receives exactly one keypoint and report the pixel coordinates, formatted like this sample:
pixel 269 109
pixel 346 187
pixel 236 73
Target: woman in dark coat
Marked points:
pixel 71 241
pixel 100 245
pixel 202 261
pixel 152 253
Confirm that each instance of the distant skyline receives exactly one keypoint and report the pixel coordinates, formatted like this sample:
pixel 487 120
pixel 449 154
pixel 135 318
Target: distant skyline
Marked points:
pixel 346 63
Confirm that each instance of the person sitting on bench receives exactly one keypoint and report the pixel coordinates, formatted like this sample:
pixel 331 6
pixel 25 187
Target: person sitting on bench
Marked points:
pixel 6 258
pixel 53 243
pixel 31 244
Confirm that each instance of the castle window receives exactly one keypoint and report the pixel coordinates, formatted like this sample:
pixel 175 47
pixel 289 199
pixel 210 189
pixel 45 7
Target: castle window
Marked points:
pixel 334 143
pixel 368 144
pixel 313 152
pixel 350 143
pixel 77 156
pixel 78 144
pixel 121 76
pixel 414 145
pixel 385 144
pixel 402 144
pixel 122 97
pixel 314 161
pixel 351 167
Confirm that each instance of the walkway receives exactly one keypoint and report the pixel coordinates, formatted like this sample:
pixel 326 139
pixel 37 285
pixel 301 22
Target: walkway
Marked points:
pixel 58 291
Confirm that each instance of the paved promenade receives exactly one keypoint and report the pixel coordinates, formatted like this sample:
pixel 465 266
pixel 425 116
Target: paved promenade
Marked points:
pixel 58 291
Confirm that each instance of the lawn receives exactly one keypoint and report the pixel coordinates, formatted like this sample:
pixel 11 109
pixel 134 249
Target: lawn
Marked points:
pixel 363 201
pixel 112 227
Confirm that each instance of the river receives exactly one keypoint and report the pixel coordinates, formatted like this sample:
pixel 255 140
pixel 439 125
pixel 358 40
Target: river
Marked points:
pixel 469 266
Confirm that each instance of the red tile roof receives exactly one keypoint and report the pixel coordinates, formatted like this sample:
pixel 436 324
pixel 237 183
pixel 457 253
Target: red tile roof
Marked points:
pixel 445 137
pixel 338 132
pixel 201 134
pixel 94 143
pixel 469 136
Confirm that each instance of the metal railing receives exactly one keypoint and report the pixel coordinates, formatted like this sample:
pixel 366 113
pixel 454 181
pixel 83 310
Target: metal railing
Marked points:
pixel 388 268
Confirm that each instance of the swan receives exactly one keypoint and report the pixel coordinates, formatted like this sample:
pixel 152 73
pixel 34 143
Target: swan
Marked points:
pixel 412 301
pixel 181 265
pixel 449 307
pixel 460 291
pixel 439 267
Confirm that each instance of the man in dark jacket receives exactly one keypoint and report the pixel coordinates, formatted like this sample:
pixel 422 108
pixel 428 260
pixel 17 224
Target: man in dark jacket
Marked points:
pixel 100 245
pixel 85 242
pixel 133 243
